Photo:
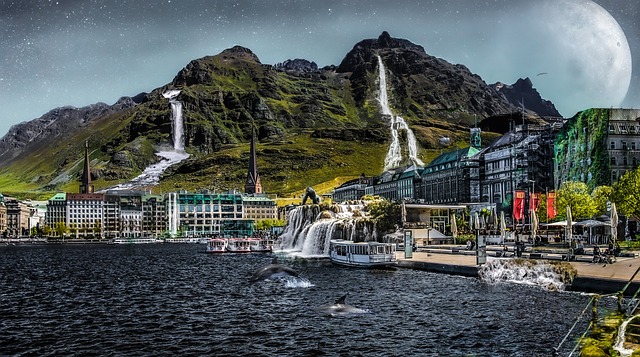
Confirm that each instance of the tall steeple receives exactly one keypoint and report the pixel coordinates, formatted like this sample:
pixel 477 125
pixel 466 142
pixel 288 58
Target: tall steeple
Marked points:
pixel 85 180
pixel 253 184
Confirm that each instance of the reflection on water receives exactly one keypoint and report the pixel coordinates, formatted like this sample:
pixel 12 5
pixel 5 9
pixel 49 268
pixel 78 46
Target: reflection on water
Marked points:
pixel 169 299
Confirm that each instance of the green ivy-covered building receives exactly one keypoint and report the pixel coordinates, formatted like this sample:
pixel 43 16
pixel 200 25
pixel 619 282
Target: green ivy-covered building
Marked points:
pixel 597 146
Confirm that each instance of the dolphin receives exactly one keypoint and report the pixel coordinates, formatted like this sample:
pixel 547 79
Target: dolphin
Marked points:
pixel 340 307
pixel 273 270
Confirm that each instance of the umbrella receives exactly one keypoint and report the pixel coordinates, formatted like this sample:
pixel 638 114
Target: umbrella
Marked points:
pixel 614 224
pixel 569 224
pixel 483 224
pixel 534 225
pixel 503 226
pixel 454 227
pixel 470 221
pixel 493 218
pixel 476 221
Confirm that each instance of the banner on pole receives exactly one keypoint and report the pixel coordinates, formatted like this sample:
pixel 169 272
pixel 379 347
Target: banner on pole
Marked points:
pixel 551 205
pixel 518 205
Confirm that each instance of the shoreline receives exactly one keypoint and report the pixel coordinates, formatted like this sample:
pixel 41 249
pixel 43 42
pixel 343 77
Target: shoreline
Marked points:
pixel 590 278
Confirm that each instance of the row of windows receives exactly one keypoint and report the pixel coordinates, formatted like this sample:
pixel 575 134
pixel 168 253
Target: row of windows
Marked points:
pixel 624 161
pixel 624 145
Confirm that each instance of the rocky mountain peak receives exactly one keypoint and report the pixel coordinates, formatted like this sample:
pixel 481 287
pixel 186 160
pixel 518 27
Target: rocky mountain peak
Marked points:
pixel 297 65
pixel 240 52
pixel 522 93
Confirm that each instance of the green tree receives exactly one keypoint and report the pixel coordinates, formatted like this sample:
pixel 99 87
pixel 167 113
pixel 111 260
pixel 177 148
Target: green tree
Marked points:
pixel 576 195
pixel 60 228
pixel 386 215
pixel 626 194
pixel 601 195
pixel 46 230
pixel 267 224
pixel 97 229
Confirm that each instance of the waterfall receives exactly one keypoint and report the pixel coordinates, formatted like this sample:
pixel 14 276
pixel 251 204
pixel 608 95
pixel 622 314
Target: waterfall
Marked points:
pixel 176 119
pixel 151 175
pixel 619 345
pixel 535 273
pixel 309 230
pixel 396 123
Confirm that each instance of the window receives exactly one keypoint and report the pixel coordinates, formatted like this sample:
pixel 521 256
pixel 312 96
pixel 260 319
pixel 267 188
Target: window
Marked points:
pixel 613 145
pixel 624 145
pixel 613 161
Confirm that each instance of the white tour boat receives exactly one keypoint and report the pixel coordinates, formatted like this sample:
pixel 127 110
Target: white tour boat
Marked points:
pixel 239 245
pixel 364 254
pixel 136 240
pixel 216 245
pixel 261 245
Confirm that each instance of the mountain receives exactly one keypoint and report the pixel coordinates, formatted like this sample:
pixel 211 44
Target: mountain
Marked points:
pixel 522 93
pixel 312 124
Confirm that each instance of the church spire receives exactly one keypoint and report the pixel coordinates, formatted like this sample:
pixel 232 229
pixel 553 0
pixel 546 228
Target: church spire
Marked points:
pixel 253 184
pixel 85 179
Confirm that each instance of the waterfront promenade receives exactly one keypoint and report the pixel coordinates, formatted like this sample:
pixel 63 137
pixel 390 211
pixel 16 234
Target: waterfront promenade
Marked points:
pixel 606 278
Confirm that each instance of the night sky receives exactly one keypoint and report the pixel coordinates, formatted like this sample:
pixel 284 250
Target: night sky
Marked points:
pixel 58 53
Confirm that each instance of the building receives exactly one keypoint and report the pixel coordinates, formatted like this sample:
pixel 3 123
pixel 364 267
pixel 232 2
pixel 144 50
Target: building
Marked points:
pixel 259 207
pixel 18 214
pixel 3 217
pixel 154 216
pixel 84 214
pixel 518 160
pixel 597 146
pixel 352 190
pixel 253 184
pixel 85 179
pixel 386 185
pixel 448 179
pixel 205 214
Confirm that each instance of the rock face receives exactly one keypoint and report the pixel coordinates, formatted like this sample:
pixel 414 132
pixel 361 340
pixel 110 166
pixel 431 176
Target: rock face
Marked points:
pixel 523 92
pixel 55 126
pixel 423 85
pixel 297 65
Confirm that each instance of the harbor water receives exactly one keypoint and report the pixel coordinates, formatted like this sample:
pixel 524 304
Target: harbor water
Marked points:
pixel 174 299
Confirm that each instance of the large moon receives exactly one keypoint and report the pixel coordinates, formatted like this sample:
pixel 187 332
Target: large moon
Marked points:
pixel 584 57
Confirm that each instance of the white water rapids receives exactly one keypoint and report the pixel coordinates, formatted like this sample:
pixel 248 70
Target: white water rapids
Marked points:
pixel 396 123
pixel 151 175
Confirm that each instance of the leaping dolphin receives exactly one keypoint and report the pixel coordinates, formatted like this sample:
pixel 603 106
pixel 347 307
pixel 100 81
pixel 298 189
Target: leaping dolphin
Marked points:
pixel 340 307
pixel 273 270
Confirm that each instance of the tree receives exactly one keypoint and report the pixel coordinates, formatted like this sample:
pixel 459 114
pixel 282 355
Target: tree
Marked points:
pixel 386 215
pixel 60 228
pixel 626 194
pixel 267 224
pixel 601 195
pixel 576 195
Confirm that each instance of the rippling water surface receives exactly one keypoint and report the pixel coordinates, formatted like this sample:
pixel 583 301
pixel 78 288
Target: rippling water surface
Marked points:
pixel 173 299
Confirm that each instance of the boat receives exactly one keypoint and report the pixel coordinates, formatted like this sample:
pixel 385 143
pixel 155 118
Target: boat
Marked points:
pixel 261 245
pixel 363 254
pixel 238 245
pixel 216 245
pixel 136 240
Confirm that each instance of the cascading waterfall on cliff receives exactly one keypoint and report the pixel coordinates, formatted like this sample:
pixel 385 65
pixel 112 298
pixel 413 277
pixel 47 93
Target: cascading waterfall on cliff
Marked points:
pixel 176 120
pixel 396 123
pixel 151 175
pixel 309 229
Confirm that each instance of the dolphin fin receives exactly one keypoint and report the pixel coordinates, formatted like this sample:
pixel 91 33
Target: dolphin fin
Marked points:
pixel 341 300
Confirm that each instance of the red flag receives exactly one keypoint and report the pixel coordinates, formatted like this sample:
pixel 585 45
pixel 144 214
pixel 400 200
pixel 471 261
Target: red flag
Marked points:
pixel 534 201
pixel 551 205
pixel 518 205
